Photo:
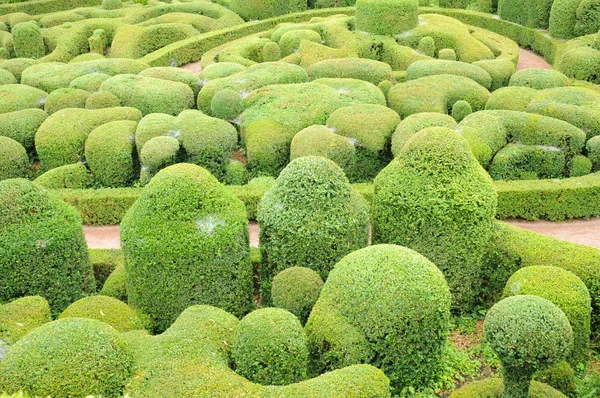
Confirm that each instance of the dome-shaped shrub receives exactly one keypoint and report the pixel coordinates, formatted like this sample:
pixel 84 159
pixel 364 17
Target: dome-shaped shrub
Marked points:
pixel 385 305
pixel 415 123
pixel 460 110
pixel 493 388
pixel 580 166
pixel 14 161
pixel 106 309
pixel 71 176
pixel 538 79
pixel 65 98
pixel 115 284
pixel 435 198
pixel 296 289
pixel 321 141
pixel 227 104
pixel 235 173
pixel 565 290
pixel 90 82
pixel 593 150
pixel 159 152
pixel 186 242
pixel 269 347
pixel 111 4
pixel 22 125
pixel 68 358
pixel 528 333
pixel 20 316
pixel 101 100
pixel 98 41
pixel 311 218
pixel 42 247
pixel 218 70
pixel 28 40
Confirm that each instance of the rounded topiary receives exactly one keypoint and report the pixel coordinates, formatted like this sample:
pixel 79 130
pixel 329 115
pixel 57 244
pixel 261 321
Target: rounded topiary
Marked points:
pixel 111 4
pixel 186 242
pixel 90 82
pixel 114 286
pixel 106 309
pixel 387 17
pixel 14 162
pixel 269 347
pixel 565 290
pixel 385 305
pixel 67 358
pixel 271 52
pixel 435 198
pixel 102 100
pixel 70 176
pixel 528 333
pixel 263 9
pixel 21 316
pixel 235 173
pixel 538 79
pixel 447 54
pixel 493 388
pixel 593 152
pixel 415 123
pixel 588 17
pixel 460 110
pixel 227 104
pixel 159 152
pixel 427 46
pixel 218 70
pixel 65 98
pixel 98 41
pixel 42 247
pixel 28 40
pixel 311 218
pixel 580 166
pixel 296 289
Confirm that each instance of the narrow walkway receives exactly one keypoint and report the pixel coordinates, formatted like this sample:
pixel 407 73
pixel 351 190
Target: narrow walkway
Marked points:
pixel 585 232
pixel 528 59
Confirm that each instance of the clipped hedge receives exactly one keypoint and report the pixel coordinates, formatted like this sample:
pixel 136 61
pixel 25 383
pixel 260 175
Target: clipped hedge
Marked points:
pixel 415 123
pixel 15 97
pixel 106 309
pixel 386 17
pixel 538 79
pixel 71 176
pixel 65 98
pixel 264 9
pixel 432 67
pixel 354 68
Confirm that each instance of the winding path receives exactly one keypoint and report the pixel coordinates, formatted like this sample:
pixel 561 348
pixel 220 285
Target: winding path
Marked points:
pixel 586 232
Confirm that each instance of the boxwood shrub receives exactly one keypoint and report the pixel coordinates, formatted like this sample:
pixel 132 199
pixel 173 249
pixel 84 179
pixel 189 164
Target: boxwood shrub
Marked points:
pixel 14 162
pixel 22 125
pixel 14 97
pixel 354 68
pixel 28 40
pixel 321 141
pixel 65 98
pixel 102 100
pixel 493 388
pixel 433 67
pixel 538 79
pixel 415 123
pixel 20 316
pixel 264 9
pixel 106 309
pixel 70 176
pixel 386 17
pixel 90 82
pixel 296 289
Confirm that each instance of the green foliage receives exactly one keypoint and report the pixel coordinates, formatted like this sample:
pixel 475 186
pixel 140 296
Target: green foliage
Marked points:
pixel 102 100
pixel 65 98
pixel 460 110
pixel 310 218
pixel 538 79
pixel 427 46
pixel 431 67
pixel 289 43
pixel 227 104
pixel 106 309
pixel 451 226
pixel 194 250
pixel 454 3
pixel 235 173
pixel 563 17
pixel 386 17
pixel 447 54
pixel 219 70
pixel 593 151
pixel 7 78
pixel 321 141
pixel 271 52
pixel 14 162
pixel 98 41
pixel 19 317
pixel 385 305
pixel 560 376
pixel 527 162
pixel 493 388
pixel 528 333
pixel 68 357
pixel 158 153
pixel 296 289
pixel 580 166
pixel 70 176
pixel 175 75
pixel 15 97
pixel 581 62
pixel 111 4
pixel 109 151
pixel 269 348
pixel 28 40
pixel 115 284
pixel 415 123
pixel 135 41
pixel 588 17
pixel 16 66
pixel 263 9
pixel 514 98
pixel 531 13
pixel 90 82
pixel 354 68
pixel 104 262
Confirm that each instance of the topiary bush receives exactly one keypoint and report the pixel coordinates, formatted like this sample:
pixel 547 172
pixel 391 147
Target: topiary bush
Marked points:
pixel 538 79
pixel 15 97
pixel 68 357
pixel 14 162
pixel 90 82
pixel 460 110
pixel 102 100
pixel 158 153
pixel 513 98
pixel 451 227
pixel 106 309
pixel 28 40
pixel 493 388
pixel 427 46
pixel 175 75
pixel 20 316
pixel 593 151
pixel 580 166
pixel 263 9
pixel 111 4
pixel 43 248
pixel 227 104
pixel 296 289
pixel 527 162
pixel 351 68
pixel 98 41
pixel 114 286
pixel 532 13
pixel 71 176
pixel 588 17
pixel 385 305
pixel 447 54
pixel 194 250
pixel 528 333
pixel 386 17
pixel 431 67
pixel 22 125
pixel 415 123
pixel 65 98
pixel 269 347
pixel 235 173
pixel 310 218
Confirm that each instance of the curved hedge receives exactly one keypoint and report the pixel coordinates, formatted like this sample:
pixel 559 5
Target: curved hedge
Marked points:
pixel 263 9
pixel 20 316
pixel 386 17
pixel 106 309
pixel 310 218
pixel 15 97
pixel 296 289
pixel 28 40
pixel 432 67
pixel 43 248
pixel 538 79
pixel 354 68
pixel 452 226
pixel 385 305
pixel 194 250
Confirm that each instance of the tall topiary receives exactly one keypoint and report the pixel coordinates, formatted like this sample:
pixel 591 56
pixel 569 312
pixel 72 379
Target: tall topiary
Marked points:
pixel 528 333
pixel 42 248
pixel 386 17
pixel 185 242
pixel 28 40
pixel 435 198
pixel 310 218
pixel 384 305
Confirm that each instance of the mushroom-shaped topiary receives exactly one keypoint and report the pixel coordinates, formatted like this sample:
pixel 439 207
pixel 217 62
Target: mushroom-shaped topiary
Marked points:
pixel 296 289
pixel 106 309
pixel 68 358
pixel 269 347
pixel 528 333
pixel 311 218
pixel 186 242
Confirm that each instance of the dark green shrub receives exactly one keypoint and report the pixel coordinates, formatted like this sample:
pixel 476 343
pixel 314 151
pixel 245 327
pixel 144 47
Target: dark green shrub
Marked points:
pixel 531 13
pixel 565 290
pixel 560 376
pixel 90 82
pixel 460 110
pixel 104 262
pixel 102 100
pixel 43 248
pixel 14 162
pixel 432 67
pixel 111 4
pixel 588 17
pixel 68 357
pixel 514 98
pixel 454 3
pixel 452 226
pixel 19 317
pixel 527 162
pixel 580 166
pixel 263 9
pixel 28 40
pixel 385 305
pixel 114 286
pixel 352 68
pixel 70 176
pixel 528 333
pixel 235 173
pixel 493 388
pixel 386 17
pixel 593 151
pixel 296 289
pixel 109 151
pixel 65 98
pixel 194 250
pixel 538 79
pixel 227 104
pixel 321 141
pixel 310 218
pixel 447 54
pixel 563 17
pixel 269 348
pixel 415 123
pixel 106 309
pixel 15 97
pixel 427 46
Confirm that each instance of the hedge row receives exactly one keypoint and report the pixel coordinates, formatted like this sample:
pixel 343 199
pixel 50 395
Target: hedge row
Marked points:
pixel 45 6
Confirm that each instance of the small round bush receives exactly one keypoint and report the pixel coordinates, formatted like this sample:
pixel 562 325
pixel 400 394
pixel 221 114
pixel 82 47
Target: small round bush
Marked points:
pixel 560 376
pixel 427 46
pixel 593 151
pixel 20 316
pixel 70 176
pixel 311 218
pixel 538 79
pixel 460 110
pixel 267 147
pixel 415 123
pixel 565 290
pixel 290 40
pixel 106 309
pixel 16 66
pixel 528 333
pixel 296 289
pixel 111 4
pixel 159 152
pixel 28 40
pixel 14 162
pixel 271 52
pixel 175 75
pixel 384 305
pixel 447 54
pixel 90 82
pixel 65 98
pixel 98 41
pixel 102 100
pixel 269 347
pixel 580 166
pixel 235 173
pixel 68 358
pixel 227 104
pixel 7 78
pixel 386 17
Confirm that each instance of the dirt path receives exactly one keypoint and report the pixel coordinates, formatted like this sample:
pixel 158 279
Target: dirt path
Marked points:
pixel 195 67
pixel 529 59
pixel 585 232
